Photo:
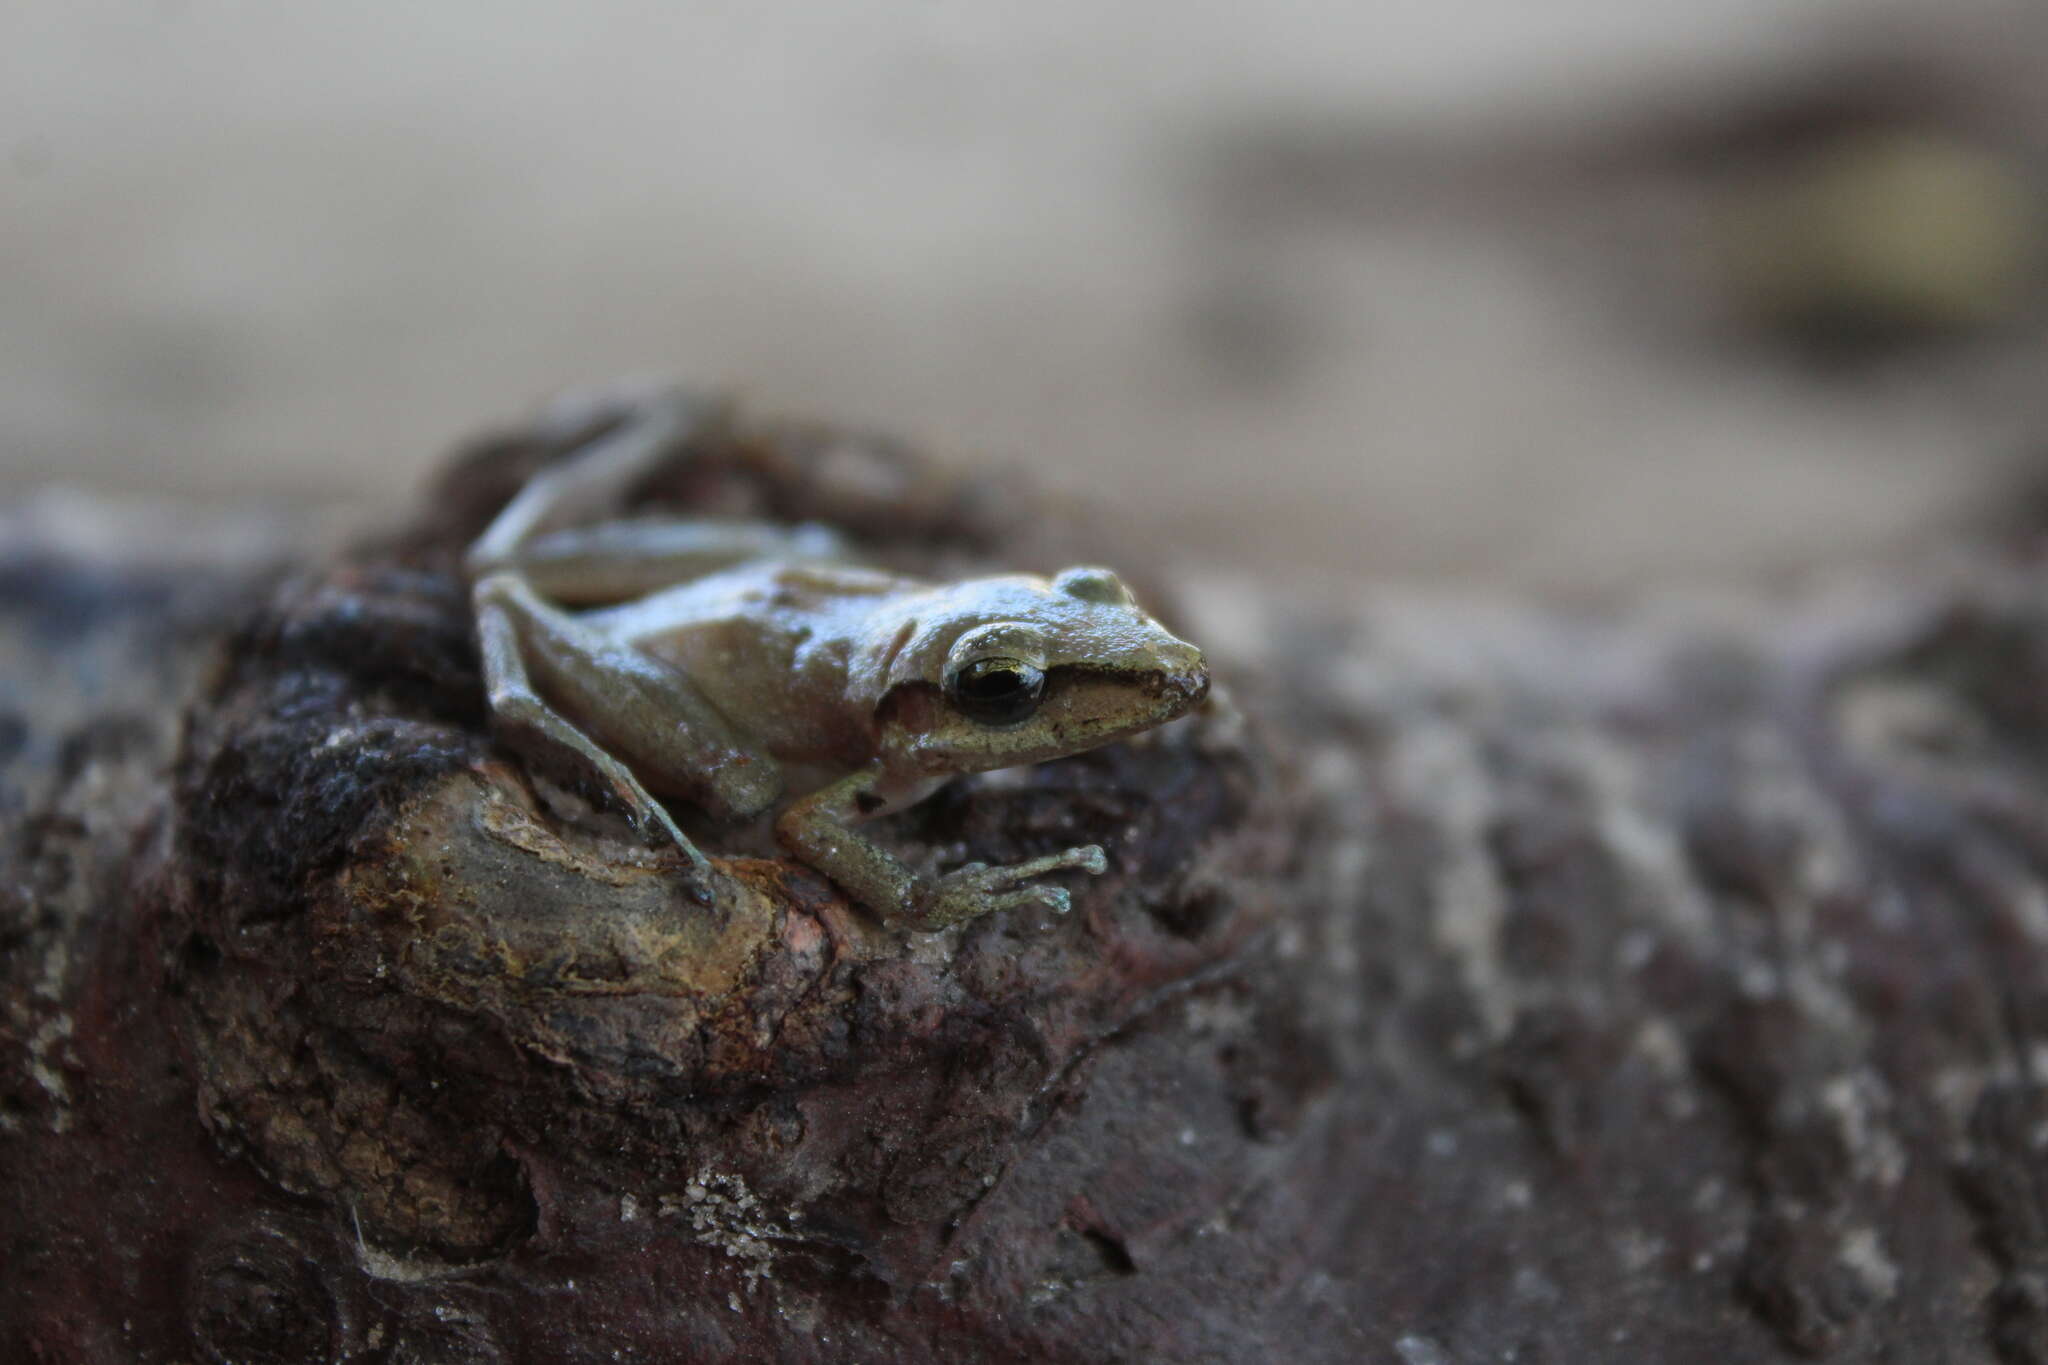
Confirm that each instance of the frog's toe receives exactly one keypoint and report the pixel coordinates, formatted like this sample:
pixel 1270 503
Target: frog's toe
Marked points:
pixel 1057 899
pixel 1088 858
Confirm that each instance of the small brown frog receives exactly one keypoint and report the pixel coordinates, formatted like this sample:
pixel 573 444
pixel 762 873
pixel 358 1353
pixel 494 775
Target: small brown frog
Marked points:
pixel 695 658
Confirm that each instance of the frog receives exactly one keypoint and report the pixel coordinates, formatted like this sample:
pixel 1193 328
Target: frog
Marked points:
pixel 708 660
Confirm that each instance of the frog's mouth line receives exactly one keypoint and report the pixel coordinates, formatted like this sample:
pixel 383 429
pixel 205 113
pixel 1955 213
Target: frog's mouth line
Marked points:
pixel 1081 702
pixel 1189 687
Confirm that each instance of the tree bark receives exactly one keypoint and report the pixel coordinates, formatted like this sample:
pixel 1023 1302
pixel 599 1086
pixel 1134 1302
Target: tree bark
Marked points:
pixel 1474 983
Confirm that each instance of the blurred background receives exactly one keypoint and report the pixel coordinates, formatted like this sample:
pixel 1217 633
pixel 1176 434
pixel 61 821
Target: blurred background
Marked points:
pixel 1573 297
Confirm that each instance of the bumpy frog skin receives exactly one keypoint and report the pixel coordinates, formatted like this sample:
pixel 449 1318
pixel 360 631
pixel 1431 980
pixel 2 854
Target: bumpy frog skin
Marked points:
pixel 694 659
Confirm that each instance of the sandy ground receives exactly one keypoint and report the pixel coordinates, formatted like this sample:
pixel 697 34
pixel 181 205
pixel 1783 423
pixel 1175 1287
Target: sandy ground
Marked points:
pixel 294 251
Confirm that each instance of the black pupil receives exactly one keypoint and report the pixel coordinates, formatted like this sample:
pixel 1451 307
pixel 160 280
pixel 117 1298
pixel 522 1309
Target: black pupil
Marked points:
pixel 998 691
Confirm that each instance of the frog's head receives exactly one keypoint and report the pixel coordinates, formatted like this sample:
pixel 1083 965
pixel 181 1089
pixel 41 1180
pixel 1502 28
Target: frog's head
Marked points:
pixel 1005 671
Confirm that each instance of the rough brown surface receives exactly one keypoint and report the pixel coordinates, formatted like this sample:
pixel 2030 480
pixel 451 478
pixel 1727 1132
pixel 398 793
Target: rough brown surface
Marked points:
pixel 1496 986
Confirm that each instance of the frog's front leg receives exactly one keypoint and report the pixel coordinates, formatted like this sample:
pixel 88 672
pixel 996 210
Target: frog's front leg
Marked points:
pixel 818 829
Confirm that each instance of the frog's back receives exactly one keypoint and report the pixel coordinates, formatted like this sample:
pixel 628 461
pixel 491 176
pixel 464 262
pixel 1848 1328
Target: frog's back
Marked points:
pixel 774 595
pixel 769 645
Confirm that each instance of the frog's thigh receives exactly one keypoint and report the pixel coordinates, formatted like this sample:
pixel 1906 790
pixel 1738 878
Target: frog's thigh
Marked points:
pixel 639 710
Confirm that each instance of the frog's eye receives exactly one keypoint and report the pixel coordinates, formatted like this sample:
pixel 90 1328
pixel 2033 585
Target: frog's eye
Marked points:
pixel 996 691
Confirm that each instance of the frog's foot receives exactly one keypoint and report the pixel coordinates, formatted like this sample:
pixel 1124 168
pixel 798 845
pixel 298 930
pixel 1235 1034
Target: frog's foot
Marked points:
pixel 535 728
pixel 976 889
pixel 650 819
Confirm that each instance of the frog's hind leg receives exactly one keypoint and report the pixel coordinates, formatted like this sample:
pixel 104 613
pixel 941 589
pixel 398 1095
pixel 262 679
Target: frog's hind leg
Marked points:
pixel 618 561
pixel 529 724
pixel 636 722
pixel 592 481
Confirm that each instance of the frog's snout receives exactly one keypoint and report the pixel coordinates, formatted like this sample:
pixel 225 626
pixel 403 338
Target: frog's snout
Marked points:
pixel 1185 686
